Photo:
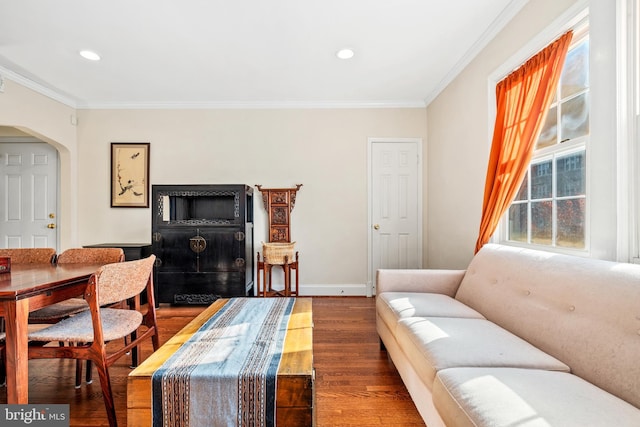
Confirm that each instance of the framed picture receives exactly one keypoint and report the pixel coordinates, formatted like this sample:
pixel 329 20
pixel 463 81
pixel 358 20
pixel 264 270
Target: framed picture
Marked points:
pixel 129 175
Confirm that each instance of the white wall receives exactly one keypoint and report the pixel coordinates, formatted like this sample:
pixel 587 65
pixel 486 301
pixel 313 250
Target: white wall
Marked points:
pixel 459 129
pixel 323 149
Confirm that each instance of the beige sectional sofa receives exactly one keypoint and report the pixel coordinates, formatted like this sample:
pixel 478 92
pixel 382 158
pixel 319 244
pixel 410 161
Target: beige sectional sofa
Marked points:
pixel 520 338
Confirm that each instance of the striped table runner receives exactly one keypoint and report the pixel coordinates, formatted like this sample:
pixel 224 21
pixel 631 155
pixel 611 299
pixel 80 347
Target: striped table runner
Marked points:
pixel 225 375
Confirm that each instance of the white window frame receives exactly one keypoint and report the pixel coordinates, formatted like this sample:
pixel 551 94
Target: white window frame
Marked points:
pixel 604 229
pixel 613 160
pixel 551 153
pixel 628 121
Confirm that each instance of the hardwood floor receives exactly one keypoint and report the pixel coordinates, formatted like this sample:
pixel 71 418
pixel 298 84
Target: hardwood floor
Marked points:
pixel 356 384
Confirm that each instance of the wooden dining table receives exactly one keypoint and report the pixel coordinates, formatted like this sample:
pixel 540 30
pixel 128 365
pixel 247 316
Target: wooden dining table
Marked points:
pixel 26 288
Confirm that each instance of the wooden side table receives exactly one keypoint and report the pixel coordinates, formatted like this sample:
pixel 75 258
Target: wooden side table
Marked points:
pixel 264 287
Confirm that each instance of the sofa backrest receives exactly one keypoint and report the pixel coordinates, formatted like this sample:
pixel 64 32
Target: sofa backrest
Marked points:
pixel 582 311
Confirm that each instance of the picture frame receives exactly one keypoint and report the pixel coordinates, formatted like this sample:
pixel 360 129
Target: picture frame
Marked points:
pixel 130 174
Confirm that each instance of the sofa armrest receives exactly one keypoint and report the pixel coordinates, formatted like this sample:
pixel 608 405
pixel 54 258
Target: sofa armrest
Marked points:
pixel 433 281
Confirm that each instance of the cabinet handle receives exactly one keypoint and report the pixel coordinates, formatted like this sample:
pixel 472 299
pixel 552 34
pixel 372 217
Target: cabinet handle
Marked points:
pixel 197 244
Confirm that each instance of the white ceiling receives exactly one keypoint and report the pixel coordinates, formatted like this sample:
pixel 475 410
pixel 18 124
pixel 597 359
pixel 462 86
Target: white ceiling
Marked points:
pixel 244 53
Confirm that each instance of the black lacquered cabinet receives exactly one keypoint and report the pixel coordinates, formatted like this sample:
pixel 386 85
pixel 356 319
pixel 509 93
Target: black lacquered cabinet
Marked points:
pixel 202 236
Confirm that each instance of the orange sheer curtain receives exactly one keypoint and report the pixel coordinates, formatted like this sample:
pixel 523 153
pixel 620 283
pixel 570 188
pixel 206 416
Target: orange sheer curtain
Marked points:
pixel 523 99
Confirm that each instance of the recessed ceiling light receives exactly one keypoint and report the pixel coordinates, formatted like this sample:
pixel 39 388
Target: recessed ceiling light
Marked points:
pixel 345 53
pixel 90 55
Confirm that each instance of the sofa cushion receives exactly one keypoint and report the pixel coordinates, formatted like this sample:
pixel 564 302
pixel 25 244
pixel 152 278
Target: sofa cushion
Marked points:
pixel 435 343
pixel 526 397
pixel 392 306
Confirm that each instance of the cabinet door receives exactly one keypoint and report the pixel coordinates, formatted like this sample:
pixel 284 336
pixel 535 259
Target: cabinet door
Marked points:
pixel 200 250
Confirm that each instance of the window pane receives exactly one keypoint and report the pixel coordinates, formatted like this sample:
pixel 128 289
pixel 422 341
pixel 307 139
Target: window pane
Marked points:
pixel 524 189
pixel 541 174
pixel 571 175
pixel 575 74
pixel 541 223
pixel 518 222
pixel 549 134
pixel 574 118
pixel 571 217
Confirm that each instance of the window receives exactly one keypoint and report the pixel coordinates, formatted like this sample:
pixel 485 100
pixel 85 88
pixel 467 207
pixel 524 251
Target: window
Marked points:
pixel 550 208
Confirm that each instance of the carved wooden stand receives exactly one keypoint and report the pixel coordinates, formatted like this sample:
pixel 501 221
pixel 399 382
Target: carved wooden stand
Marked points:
pixel 278 202
pixel 287 267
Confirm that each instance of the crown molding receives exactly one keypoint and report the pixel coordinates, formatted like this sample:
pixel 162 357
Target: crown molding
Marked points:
pixel 255 105
pixel 37 87
pixel 496 26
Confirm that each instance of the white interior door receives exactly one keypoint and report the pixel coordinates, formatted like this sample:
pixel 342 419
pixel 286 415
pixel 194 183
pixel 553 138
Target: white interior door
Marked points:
pixel 395 205
pixel 29 195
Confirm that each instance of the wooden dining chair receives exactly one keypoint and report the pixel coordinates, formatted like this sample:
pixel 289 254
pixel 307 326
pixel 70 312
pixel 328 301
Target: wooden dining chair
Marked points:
pixel 91 256
pixel 29 255
pixel 89 331
pixel 55 312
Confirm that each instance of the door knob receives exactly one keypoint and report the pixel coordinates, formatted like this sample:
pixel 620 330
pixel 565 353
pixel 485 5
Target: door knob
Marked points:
pixel 376 227
pixel 51 226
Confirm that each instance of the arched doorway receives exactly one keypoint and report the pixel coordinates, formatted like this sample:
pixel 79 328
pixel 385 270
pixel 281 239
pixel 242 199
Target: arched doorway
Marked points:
pixel 29 170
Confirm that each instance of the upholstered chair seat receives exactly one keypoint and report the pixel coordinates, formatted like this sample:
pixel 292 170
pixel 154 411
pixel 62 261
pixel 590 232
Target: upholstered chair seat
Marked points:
pixel 116 323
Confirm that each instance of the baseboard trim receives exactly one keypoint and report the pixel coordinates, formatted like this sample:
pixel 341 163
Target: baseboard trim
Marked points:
pixel 333 290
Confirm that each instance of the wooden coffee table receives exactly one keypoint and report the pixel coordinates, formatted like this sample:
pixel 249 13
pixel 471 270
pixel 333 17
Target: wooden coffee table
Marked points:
pixel 295 395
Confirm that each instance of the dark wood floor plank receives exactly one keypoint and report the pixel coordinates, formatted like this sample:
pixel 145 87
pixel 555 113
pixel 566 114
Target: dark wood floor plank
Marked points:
pixel 356 384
